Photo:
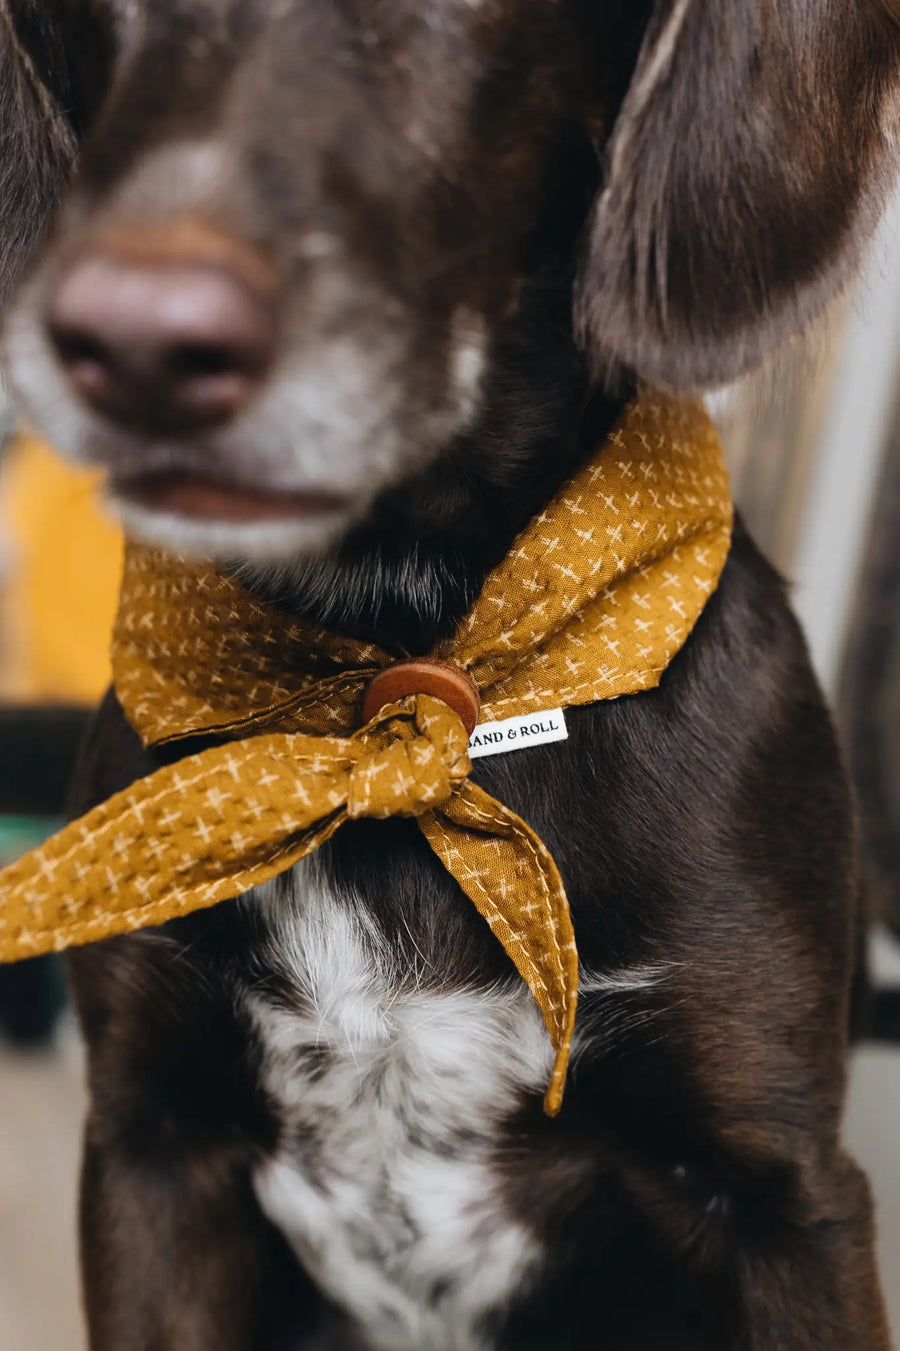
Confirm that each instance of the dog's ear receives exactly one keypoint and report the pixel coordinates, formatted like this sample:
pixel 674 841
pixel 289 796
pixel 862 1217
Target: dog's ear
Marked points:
pixel 53 62
pixel 746 168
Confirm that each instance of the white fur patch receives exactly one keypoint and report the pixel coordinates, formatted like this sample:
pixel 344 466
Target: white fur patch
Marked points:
pixel 392 1094
pixel 468 361
pixel 267 540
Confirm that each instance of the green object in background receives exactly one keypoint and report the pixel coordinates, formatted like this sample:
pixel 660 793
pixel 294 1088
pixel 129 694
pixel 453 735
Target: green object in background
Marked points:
pixel 32 994
pixel 18 834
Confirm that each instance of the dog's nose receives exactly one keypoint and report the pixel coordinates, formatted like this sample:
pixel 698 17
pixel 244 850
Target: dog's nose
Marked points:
pixel 163 339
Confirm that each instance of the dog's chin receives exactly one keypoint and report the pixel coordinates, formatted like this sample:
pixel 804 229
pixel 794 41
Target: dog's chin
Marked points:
pixel 273 541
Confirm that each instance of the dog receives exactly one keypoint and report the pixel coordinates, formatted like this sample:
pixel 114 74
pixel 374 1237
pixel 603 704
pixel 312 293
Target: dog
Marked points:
pixel 339 292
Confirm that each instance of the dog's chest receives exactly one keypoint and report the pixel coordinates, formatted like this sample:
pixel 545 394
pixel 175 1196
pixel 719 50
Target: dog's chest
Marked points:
pixel 391 1094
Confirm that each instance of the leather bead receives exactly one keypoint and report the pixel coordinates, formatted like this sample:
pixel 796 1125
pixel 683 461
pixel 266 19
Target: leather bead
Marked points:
pixel 424 676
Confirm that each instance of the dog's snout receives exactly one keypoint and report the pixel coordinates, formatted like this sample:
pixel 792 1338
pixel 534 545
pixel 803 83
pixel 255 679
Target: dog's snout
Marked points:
pixel 167 334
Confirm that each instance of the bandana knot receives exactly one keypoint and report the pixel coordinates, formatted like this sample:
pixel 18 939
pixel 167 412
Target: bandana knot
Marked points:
pixel 412 759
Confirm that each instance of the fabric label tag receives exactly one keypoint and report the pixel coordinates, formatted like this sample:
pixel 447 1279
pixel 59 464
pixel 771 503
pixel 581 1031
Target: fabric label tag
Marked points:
pixel 514 734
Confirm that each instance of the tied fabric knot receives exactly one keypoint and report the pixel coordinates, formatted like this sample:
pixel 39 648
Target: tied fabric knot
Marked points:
pixel 415 754
pixel 596 597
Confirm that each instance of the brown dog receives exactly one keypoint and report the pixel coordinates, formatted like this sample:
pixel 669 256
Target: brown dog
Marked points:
pixel 341 291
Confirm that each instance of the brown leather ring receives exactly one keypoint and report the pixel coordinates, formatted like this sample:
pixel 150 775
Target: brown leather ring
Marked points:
pixel 426 676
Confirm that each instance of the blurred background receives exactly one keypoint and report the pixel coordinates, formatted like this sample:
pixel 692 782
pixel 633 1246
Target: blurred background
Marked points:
pixel 814 447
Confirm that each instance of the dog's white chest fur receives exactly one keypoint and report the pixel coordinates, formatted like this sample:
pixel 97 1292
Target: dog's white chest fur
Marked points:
pixel 391 1093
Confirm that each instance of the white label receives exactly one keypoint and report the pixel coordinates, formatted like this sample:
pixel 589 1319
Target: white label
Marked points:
pixel 514 734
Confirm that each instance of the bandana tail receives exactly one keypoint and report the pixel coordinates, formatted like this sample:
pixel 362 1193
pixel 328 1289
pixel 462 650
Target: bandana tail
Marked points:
pixel 510 877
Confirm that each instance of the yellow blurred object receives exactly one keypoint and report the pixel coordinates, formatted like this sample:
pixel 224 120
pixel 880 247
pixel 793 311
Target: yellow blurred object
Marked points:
pixel 60 582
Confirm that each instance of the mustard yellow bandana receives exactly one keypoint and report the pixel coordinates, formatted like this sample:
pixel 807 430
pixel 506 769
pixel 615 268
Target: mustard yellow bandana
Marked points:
pixel 594 600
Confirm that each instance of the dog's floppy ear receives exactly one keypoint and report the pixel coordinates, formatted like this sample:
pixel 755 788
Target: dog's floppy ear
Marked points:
pixel 745 170
pixel 37 133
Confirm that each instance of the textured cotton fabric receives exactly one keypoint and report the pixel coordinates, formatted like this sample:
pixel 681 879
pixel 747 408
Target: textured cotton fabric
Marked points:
pixel 594 600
